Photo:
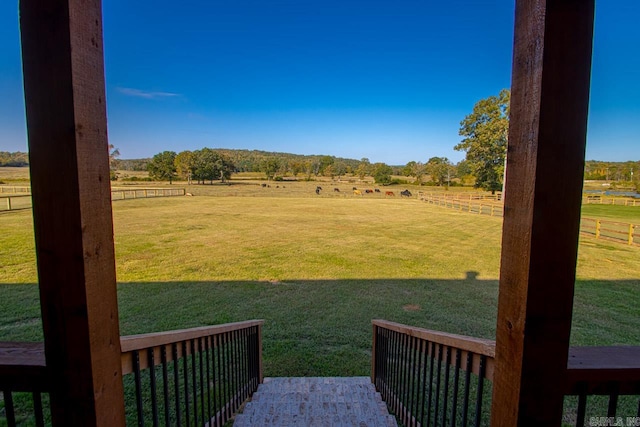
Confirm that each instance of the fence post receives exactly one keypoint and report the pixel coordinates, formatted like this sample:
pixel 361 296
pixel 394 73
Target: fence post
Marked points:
pixel 597 228
pixel 9 203
pixel 492 207
pixel 631 227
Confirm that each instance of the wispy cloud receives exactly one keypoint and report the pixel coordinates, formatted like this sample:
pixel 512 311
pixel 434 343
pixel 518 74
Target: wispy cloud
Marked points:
pixel 145 94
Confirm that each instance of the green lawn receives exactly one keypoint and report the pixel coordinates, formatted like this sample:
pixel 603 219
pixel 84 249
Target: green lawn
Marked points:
pixel 317 269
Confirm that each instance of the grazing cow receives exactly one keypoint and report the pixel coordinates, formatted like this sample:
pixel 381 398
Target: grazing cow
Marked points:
pixel 377 190
pixel 337 190
pixel 264 185
pixel 368 191
pixel 317 190
pixel 354 188
pixel 405 193
pixel 357 193
pixel 389 193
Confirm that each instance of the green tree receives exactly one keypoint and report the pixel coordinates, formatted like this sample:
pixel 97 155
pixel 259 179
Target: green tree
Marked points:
pixel 381 173
pixel 270 166
pixel 162 166
pixel 185 164
pixel 364 168
pixel 484 133
pixel 440 169
pixel 210 165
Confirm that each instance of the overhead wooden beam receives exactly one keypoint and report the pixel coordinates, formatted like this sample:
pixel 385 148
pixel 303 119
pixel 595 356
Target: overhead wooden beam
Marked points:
pixel 547 133
pixel 63 69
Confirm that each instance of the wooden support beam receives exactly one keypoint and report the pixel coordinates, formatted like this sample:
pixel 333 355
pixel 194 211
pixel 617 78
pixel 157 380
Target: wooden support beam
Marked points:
pixel 63 69
pixel 547 133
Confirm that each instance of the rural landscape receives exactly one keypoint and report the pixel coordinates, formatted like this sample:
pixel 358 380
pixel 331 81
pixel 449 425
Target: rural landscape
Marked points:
pixel 319 257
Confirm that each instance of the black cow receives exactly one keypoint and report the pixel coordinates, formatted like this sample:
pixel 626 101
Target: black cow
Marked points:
pixel 405 193
pixel 377 190
pixel 368 191
pixel 354 188
pixel 337 190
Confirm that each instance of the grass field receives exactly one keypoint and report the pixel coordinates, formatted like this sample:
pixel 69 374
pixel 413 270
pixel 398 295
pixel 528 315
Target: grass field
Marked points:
pixel 317 269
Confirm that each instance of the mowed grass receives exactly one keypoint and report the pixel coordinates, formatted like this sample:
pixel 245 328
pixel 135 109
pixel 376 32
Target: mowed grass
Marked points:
pixel 317 269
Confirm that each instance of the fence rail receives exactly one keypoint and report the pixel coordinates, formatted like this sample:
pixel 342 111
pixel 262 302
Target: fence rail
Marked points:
pixel 614 231
pixel 610 200
pixel 18 201
pixel 14 189
pixel 197 376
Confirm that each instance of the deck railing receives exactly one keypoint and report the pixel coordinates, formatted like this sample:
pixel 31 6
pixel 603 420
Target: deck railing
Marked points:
pixel 191 377
pixel 432 378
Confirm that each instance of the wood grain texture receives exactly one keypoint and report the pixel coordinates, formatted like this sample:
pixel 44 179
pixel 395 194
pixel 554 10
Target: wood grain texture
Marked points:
pixel 603 370
pixel 68 149
pixel 547 133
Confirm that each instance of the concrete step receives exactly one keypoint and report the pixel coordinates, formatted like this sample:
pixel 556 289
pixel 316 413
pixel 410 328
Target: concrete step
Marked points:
pixel 317 401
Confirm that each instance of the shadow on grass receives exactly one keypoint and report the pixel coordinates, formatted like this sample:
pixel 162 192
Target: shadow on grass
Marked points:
pixel 323 327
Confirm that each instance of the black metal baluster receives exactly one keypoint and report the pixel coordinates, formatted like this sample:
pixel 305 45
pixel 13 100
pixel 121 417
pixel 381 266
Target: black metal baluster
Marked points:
pixel 227 349
pixel 446 386
pixel 405 378
pixel 421 376
pixel 432 360
pixel 202 386
pixel 481 374
pixel 582 409
pixel 185 366
pixel 414 376
pixel 236 369
pixel 176 382
pixel 165 385
pixel 208 359
pixel 8 409
pixel 384 363
pixel 424 381
pixel 37 409
pixel 194 378
pixel 396 379
pixel 136 376
pixel 152 383
pixel 613 404
pixel 456 377
pixel 467 383
pixel 220 379
pixel 215 381
pixel 437 395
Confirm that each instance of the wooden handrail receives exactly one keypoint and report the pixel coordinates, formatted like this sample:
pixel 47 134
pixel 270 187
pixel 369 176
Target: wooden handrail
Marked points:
pixel 603 370
pixel 138 342
pixel 479 346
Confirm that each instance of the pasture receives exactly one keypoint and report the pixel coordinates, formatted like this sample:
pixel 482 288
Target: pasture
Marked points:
pixel 317 268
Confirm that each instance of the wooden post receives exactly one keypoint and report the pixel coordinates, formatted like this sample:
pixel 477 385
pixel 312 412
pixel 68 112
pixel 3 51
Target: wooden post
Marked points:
pixel 9 203
pixel 63 69
pixel 630 240
pixel 598 225
pixel 547 133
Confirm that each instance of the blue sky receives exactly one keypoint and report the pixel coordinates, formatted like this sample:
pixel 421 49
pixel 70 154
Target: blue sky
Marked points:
pixel 386 80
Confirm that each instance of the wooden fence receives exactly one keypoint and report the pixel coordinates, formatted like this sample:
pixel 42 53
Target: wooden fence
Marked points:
pixel 19 200
pixel 610 200
pixel 14 189
pixel 621 232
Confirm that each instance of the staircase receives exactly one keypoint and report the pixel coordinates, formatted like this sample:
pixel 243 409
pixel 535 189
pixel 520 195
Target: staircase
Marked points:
pixel 327 401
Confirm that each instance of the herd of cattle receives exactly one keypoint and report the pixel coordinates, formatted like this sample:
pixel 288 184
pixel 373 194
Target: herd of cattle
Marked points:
pixel 358 192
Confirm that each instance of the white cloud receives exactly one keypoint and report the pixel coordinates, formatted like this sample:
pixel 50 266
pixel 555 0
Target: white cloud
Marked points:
pixel 145 94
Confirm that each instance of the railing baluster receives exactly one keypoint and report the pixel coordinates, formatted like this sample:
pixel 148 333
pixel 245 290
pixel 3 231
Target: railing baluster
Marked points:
pixel 236 365
pixel 582 409
pixel 405 378
pixel 456 377
pixel 136 376
pixel 194 376
pixel 165 385
pixel 220 374
pixel 8 409
pixel 613 404
pixel 467 384
pixel 152 383
pixel 37 409
pixel 429 396
pixel 185 366
pixel 202 405
pixel 446 386
pixel 424 380
pixel 176 382
pixel 227 366
pixel 396 379
pixel 481 374
pixel 414 376
pixel 437 396
pixel 207 358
